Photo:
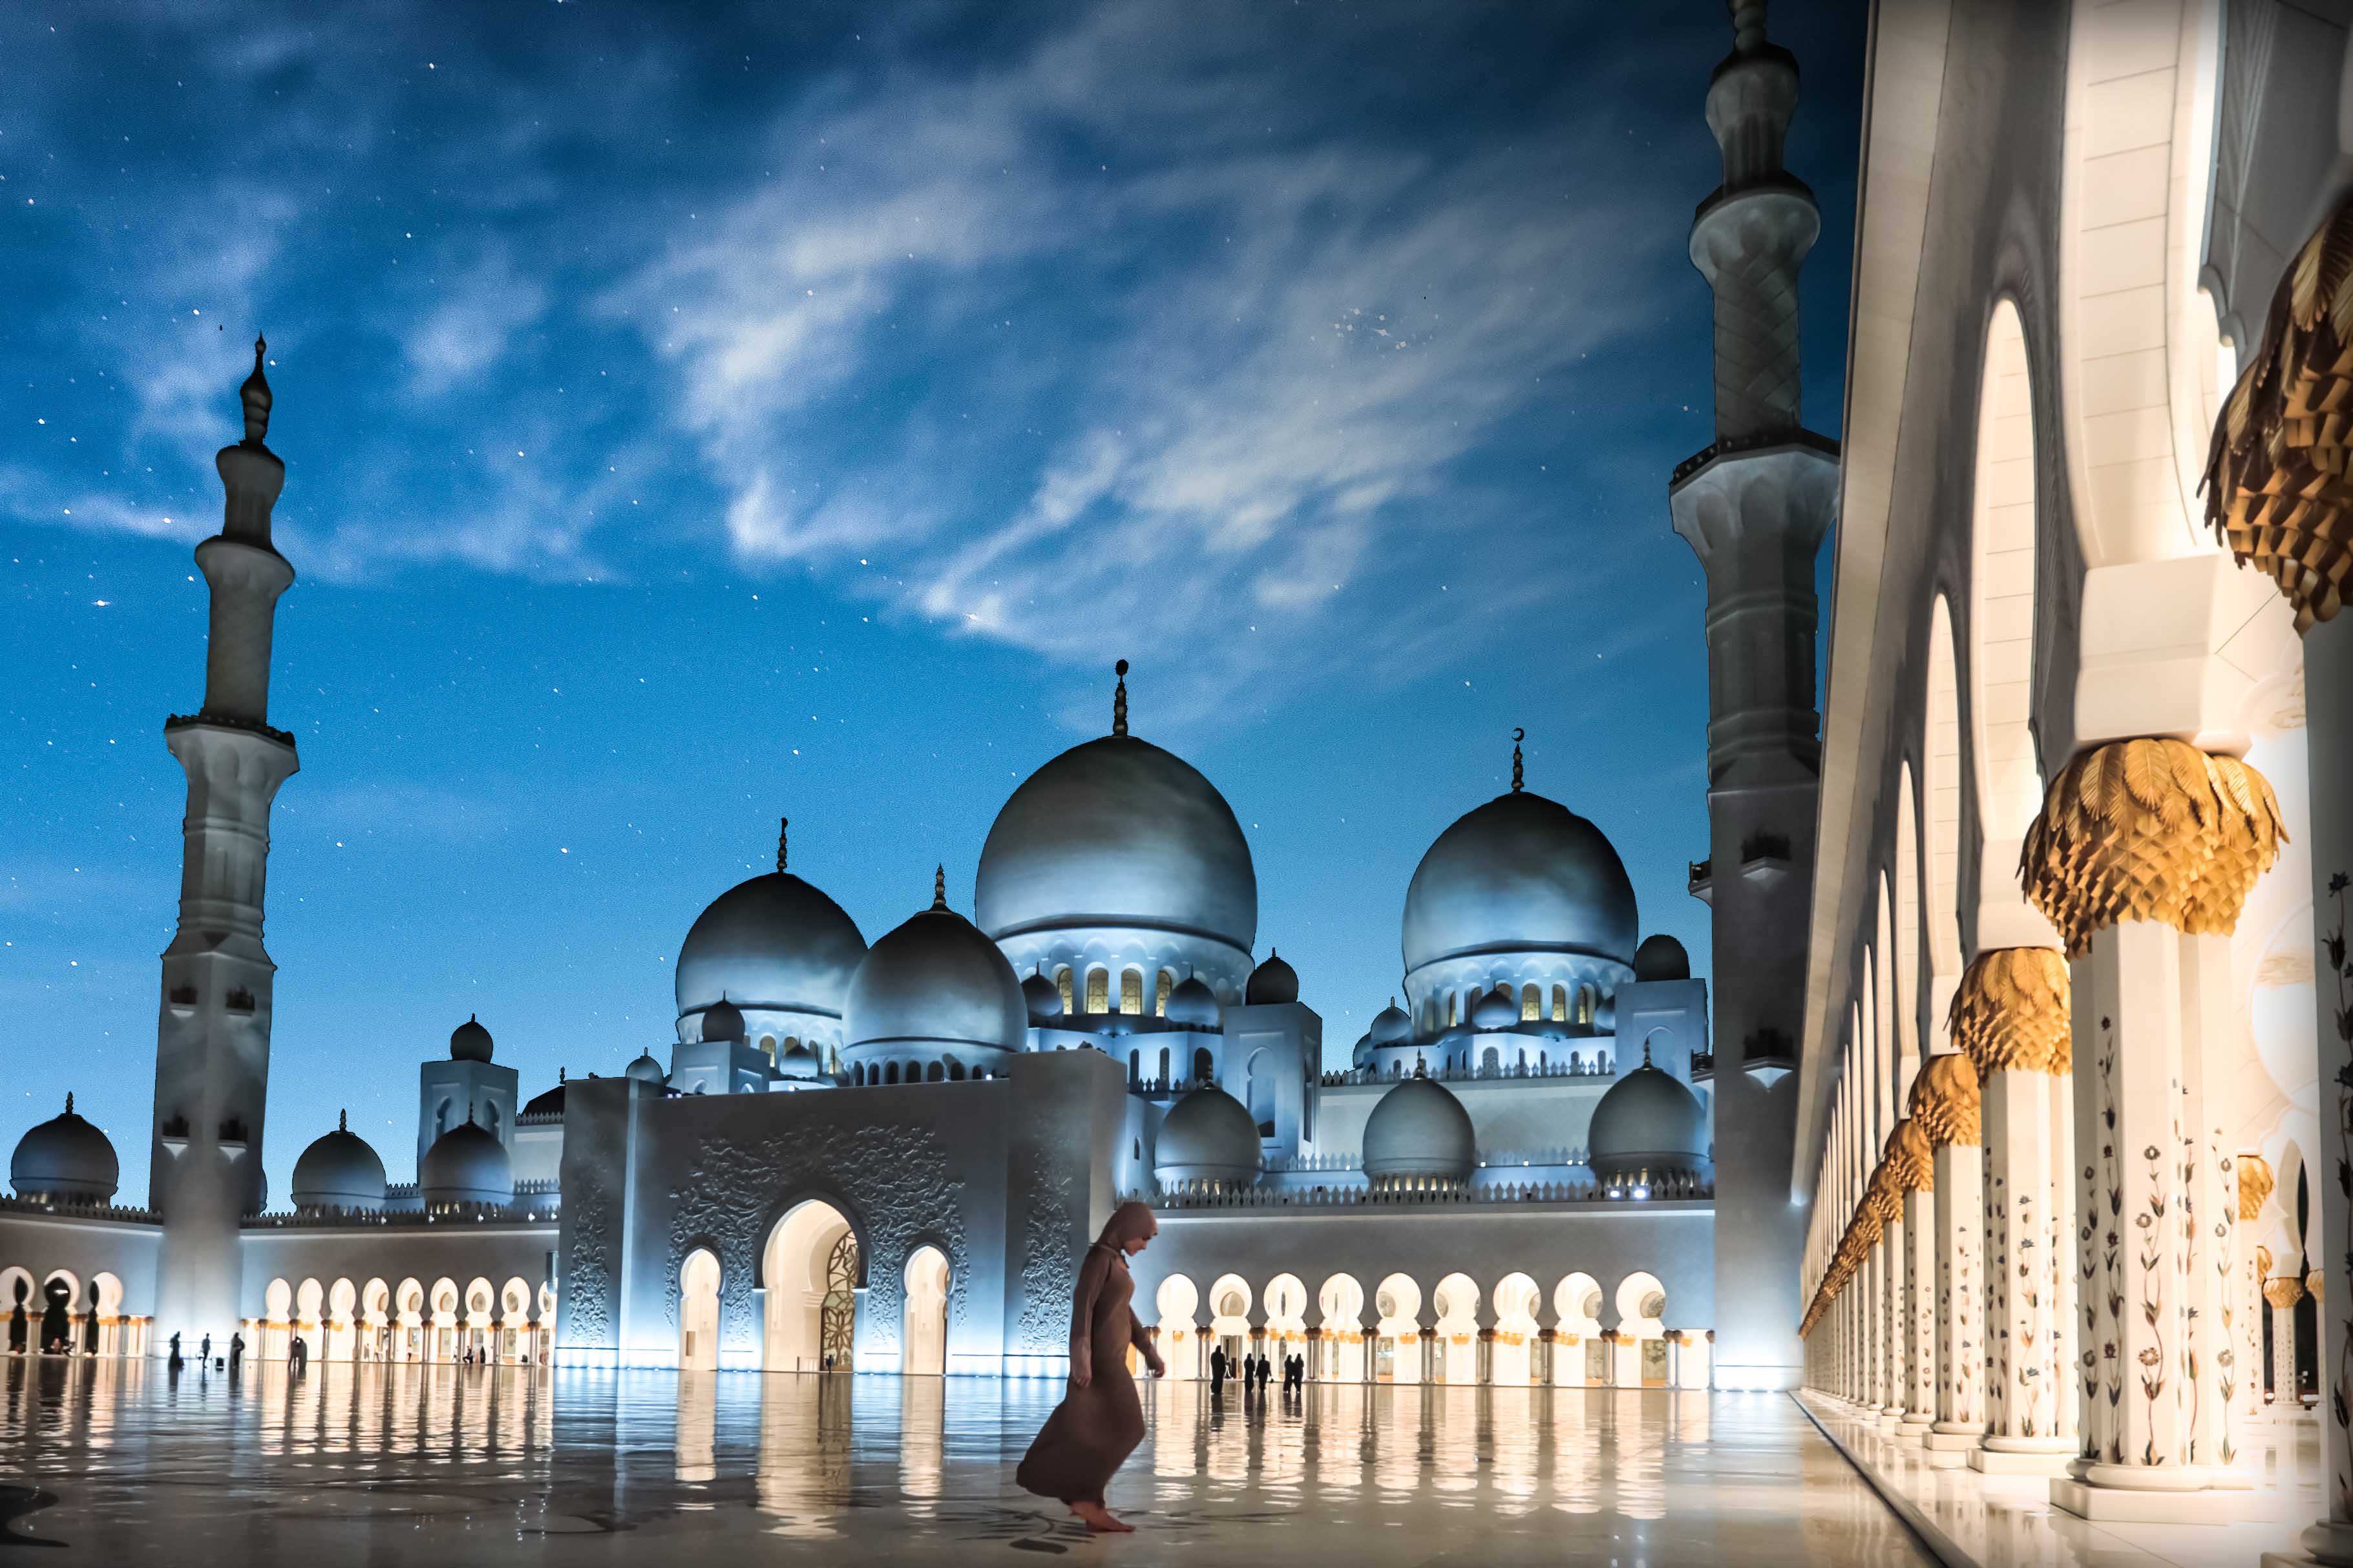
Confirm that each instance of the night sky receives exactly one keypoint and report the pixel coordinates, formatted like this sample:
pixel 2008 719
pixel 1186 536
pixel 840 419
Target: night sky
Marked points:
pixel 695 416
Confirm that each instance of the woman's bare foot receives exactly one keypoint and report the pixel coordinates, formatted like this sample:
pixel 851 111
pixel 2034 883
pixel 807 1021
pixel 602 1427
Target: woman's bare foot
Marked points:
pixel 1099 1519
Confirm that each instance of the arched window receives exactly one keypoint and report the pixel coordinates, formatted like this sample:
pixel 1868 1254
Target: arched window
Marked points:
pixel 1131 991
pixel 1530 1003
pixel 1164 1064
pixel 1449 1009
pixel 934 1073
pixel 1560 1004
pixel 1135 1066
pixel 1098 990
pixel 1062 984
pixel 768 1046
pixel 858 1075
pixel 955 1071
pixel 1205 1066
pixel 1167 983
pixel 442 1119
pixel 891 1073
pixel 1490 1060
pixel 1585 1004
pixel 490 1117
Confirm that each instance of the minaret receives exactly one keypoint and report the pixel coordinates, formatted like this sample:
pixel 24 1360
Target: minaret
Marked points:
pixel 211 1044
pixel 1755 506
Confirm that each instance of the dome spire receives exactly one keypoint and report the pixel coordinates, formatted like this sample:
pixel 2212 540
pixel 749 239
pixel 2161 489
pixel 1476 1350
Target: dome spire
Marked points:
pixel 784 825
pixel 1519 770
pixel 69 1102
pixel 343 1120
pixel 939 887
pixel 1747 25
pixel 1119 699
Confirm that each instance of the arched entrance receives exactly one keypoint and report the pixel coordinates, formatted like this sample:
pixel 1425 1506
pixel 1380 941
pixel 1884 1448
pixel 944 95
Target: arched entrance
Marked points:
pixel 57 1315
pixel 698 1311
pixel 1457 1358
pixel 923 1325
pixel 1342 1302
pixel 1180 1336
pixel 1580 1355
pixel 809 1274
pixel 1514 1357
pixel 1641 1332
pixel 1230 1325
pixel 1397 1344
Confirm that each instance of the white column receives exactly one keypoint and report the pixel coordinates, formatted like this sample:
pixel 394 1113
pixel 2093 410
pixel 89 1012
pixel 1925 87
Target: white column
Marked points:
pixel 2283 1294
pixel 2025 1383
pixel 1960 1422
pixel 1920 1310
pixel 1896 1380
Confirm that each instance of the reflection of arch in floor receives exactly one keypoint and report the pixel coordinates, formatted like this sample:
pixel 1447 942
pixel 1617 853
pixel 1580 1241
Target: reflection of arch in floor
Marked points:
pixel 794 1266
pixel 924 1318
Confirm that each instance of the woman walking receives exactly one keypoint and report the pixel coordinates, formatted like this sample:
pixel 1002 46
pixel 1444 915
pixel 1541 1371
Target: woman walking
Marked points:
pixel 1099 1420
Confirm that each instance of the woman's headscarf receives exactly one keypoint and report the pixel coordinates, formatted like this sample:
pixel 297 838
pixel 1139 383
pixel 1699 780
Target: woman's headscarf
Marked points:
pixel 1129 1221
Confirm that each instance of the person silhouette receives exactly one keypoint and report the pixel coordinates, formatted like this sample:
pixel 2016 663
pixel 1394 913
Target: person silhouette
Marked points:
pixel 298 1356
pixel 204 1350
pixel 236 1352
pixel 1217 1370
pixel 175 1361
pixel 1100 1420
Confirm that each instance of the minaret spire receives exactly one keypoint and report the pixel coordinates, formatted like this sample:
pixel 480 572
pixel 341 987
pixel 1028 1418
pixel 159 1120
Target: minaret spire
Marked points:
pixel 212 1041
pixel 1119 699
pixel 783 825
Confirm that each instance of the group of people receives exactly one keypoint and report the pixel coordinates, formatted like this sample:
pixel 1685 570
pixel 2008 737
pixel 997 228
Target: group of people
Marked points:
pixel 1254 1372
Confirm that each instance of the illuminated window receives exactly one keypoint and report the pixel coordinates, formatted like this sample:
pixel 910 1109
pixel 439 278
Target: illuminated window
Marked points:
pixel 1205 1066
pixel 1131 991
pixel 1450 1010
pixel 1560 1004
pixel 1098 990
pixel 1062 984
pixel 1585 1004
pixel 1160 998
pixel 1530 1003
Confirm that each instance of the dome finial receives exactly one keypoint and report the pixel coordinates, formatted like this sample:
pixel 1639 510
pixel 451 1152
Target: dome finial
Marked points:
pixel 1519 771
pixel 783 825
pixel 939 887
pixel 1119 699
pixel 1747 24
pixel 255 394
pixel 69 1102
pixel 470 1113
pixel 343 1120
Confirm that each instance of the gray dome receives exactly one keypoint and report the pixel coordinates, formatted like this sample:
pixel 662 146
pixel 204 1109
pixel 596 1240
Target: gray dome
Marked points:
pixel 64 1157
pixel 1648 1121
pixel 339 1171
pixel 1519 874
pixel 1495 1011
pixel 549 1102
pixel 469 1042
pixel 1207 1136
pixel 936 981
pixel 773 944
pixel 1419 1129
pixel 1042 997
pixel 467 1165
pixel 1272 982
pixel 722 1020
pixel 1662 957
pixel 1116 832
pixel 645 1070
pixel 1392 1025
pixel 1192 1003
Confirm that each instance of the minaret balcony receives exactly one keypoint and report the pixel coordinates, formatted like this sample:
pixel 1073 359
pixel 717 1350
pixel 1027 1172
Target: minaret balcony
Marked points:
pixel 1701 882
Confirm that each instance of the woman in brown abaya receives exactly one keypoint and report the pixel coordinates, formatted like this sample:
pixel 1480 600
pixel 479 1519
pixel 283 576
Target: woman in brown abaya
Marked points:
pixel 1099 1420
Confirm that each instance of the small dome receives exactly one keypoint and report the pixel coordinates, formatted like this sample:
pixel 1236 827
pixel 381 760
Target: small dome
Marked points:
pixel 936 981
pixel 1662 957
pixel 64 1157
pixel 339 1171
pixel 1495 1011
pixel 1392 1025
pixel 1418 1129
pixel 1648 1121
pixel 469 1042
pixel 1362 1056
pixel 1207 1136
pixel 722 1020
pixel 1194 1005
pixel 1042 997
pixel 645 1070
pixel 467 1165
pixel 1272 982
pixel 547 1101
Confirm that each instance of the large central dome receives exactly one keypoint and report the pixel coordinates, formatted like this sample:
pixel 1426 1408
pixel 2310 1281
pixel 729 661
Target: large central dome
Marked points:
pixel 1118 832
pixel 1520 874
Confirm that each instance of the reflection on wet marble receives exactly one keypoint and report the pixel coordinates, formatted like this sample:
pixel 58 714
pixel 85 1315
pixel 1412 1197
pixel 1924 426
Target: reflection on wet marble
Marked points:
pixel 449 1466
pixel 2007 1520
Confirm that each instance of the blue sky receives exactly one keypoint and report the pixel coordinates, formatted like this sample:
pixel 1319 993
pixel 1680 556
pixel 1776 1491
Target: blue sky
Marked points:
pixel 695 415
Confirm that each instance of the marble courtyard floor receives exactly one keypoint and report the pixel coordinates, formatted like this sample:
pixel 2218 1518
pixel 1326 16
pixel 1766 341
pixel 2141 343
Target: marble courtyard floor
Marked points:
pixel 122 1463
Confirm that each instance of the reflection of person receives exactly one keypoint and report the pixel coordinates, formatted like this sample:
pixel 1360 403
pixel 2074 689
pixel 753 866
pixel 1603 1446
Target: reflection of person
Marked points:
pixel 1100 1420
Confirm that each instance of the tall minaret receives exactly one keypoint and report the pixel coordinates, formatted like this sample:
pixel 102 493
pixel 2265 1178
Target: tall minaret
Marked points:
pixel 1755 506
pixel 211 1044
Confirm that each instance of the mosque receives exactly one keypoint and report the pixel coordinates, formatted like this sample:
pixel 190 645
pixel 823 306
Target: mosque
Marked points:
pixel 887 1156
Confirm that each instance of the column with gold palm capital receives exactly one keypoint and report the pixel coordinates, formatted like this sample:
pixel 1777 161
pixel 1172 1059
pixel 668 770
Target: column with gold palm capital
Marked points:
pixel 1946 1109
pixel 2142 846
pixel 1914 1165
pixel 2010 1019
